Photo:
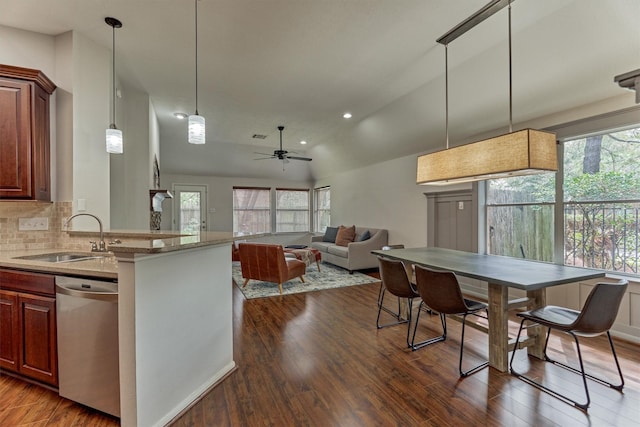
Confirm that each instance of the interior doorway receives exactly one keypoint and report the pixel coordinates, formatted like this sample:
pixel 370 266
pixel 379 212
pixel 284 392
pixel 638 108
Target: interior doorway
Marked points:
pixel 189 208
pixel 453 220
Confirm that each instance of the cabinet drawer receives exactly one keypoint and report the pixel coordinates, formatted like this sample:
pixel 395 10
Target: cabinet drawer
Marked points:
pixel 33 283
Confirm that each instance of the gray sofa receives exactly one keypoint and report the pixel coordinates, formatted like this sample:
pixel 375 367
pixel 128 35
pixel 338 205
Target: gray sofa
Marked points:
pixel 357 255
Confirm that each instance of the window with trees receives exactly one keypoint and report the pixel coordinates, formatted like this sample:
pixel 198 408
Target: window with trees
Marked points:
pixel 602 201
pixel 251 210
pixel 322 208
pixel 292 210
pixel 599 201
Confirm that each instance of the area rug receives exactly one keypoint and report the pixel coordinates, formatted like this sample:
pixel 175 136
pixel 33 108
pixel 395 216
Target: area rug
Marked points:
pixel 329 277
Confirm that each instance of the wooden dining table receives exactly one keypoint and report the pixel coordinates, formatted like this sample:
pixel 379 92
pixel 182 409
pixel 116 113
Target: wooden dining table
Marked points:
pixel 501 273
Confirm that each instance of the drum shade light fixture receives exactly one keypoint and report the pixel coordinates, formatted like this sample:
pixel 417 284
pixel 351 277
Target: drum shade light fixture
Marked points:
pixel 524 152
pixel 196 121
pixel 113 134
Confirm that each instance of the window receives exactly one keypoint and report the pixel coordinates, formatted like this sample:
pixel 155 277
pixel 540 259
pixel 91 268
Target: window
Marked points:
pixel 292 210
pixel 322 208
pixel 598 207
pixel 520 216
pixel 251 210
pixel 602 201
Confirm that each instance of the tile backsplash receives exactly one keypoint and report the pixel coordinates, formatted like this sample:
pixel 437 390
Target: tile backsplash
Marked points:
pixel 12 238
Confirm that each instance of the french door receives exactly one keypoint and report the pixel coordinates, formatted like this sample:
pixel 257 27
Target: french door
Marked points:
pixel 189 208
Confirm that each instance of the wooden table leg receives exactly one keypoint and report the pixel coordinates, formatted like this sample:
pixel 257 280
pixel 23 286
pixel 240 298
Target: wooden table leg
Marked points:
pixel 498 327
pixel 537 299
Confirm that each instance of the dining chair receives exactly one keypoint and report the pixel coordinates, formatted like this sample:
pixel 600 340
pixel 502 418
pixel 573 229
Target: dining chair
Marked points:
pixel 394 280
pixel 596 318
pixel 395 314
pixel 441 292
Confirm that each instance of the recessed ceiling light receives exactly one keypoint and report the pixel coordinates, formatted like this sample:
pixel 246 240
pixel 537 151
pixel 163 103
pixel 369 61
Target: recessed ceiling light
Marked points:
pixel 347 115
pixel 303 142
pixel 180 116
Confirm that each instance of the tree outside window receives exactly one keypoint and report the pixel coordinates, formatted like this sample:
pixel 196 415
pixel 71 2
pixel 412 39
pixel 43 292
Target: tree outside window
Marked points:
pixel 602 201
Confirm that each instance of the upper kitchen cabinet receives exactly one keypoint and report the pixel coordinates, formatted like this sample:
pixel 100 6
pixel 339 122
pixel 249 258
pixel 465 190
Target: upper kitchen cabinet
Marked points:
pixel 24 134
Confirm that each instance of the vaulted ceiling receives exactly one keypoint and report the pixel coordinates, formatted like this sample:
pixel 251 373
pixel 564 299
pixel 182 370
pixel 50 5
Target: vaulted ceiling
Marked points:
pixel 302 63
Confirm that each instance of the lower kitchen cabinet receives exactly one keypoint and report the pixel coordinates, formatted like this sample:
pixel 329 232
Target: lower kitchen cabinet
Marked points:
pixel 28 344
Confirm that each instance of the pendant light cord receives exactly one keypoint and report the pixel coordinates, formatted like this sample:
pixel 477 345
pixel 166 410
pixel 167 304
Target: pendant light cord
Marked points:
pixel 510 79
pixel 113 76
pixel 196 19
pixel 446 92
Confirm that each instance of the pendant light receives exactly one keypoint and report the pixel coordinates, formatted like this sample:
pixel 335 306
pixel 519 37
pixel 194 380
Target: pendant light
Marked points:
pixel 113 134
pixel 524 152
pixel 196 121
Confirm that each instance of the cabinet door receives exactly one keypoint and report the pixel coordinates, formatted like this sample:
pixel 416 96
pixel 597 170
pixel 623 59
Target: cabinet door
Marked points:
pixel 38 352
pixel 9 336
pixel 15 139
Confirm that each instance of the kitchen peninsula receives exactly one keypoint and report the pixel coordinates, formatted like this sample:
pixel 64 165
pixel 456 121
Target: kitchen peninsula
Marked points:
pixel 175 323
pixel 174 316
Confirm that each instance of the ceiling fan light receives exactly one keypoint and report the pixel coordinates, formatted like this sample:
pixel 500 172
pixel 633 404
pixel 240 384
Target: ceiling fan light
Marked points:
pixel 114 140
pixel 196 129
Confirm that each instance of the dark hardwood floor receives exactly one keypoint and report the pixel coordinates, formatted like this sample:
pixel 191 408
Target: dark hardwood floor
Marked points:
pixel 317 359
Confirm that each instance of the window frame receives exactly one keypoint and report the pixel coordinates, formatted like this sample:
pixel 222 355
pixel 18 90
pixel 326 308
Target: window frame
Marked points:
pixel 278 210
pixel 317 211
pixel 235 209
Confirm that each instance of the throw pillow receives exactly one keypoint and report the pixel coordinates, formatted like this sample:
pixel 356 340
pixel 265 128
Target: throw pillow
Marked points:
pixel 345 235
pixel 364 236
pixel 330 235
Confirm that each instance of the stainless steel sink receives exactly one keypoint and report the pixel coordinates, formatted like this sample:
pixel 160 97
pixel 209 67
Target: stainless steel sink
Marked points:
pixel 59 257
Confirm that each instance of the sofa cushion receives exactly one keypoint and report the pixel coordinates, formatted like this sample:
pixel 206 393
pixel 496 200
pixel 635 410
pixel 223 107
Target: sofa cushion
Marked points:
pixel 330 234
pixel 321 246
pixel 364 236
pixel 345 235
pixel 341 251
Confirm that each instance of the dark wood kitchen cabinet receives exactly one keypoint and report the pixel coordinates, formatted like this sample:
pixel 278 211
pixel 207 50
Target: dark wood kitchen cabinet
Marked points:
pixel 24 134
pixel 28 343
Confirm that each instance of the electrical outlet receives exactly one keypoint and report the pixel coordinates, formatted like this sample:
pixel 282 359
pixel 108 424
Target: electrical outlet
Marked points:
pixel 33 224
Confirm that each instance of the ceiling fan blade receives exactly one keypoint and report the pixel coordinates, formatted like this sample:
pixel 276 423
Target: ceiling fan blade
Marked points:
pixel 265 158
pixel 306 159
pixel 263 154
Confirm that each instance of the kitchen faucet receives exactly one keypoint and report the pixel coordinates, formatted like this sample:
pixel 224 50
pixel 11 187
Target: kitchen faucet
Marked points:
pixel 95 247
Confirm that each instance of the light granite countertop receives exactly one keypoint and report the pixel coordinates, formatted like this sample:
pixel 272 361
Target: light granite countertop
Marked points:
pixel 133 242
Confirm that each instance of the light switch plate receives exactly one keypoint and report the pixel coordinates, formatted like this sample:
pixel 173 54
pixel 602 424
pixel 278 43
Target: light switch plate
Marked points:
pixel 33 224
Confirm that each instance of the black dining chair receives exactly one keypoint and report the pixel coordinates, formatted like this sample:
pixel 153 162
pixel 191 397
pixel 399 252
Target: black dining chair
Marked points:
pixel 394 280
pixel 596 318
pixel 440 291
pixel 395 314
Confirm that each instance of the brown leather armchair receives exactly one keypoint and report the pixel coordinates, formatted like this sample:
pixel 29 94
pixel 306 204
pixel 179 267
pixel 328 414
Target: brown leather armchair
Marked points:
pixel 266 262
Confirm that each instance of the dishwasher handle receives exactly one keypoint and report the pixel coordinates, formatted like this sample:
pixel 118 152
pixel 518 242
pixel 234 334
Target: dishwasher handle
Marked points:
pixel 93 292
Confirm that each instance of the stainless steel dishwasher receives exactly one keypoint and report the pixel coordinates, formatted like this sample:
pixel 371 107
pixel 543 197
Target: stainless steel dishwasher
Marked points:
pixel 87 317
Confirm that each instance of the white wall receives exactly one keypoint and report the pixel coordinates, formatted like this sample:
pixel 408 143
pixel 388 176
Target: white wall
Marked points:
pixel 62 114
pixel 91 94
pixel 130 172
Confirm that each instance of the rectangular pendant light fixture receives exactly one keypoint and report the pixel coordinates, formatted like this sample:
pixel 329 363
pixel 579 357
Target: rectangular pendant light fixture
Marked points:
pixel 525 152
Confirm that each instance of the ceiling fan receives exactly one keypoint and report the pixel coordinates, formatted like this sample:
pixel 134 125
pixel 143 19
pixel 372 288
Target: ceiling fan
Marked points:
pixel 282 154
